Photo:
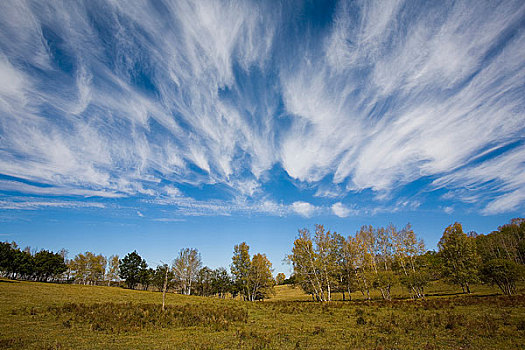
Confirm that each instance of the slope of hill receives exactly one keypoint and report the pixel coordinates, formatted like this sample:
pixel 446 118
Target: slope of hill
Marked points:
pixel 53 316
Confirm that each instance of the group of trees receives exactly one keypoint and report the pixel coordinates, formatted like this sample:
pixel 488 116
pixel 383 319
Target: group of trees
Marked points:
pixel 503 255
pixel 497 258
pixel 43 266
pixel 380 258
pixel 252 277
pixel 323 263
pixel 47 266
pixel 373 258
pixel 88 268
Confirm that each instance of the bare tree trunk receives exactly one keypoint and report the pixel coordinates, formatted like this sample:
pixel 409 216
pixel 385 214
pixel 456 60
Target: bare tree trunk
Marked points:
pixel 164 289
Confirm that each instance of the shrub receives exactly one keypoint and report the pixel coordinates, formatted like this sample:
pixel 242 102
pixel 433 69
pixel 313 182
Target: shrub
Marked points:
pixel 125 317
pixel 503 273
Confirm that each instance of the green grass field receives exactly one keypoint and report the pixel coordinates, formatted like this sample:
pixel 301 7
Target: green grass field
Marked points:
pixel 52 316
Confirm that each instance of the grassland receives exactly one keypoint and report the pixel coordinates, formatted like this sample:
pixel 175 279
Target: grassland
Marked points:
pixel 52 316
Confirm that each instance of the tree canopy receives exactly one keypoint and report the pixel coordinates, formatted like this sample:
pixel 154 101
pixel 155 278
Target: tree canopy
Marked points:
pixel 460 258
pixel 131 268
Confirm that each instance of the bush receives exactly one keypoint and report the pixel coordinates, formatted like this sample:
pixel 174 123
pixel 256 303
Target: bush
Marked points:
pixel 503 273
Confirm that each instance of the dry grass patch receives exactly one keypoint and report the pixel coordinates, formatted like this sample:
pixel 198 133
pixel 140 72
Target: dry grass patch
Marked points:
pixel 129 317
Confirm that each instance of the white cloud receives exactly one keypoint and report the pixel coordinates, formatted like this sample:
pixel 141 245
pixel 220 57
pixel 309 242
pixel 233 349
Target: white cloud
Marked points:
pixel 173 191
pixel 330 191
pixel 342 211
pixel 188 206
pixel 109 141
pixel 32 204
pixel 14 81
pixel 430 92
pixel 501 177
pixel 304 208
pixel 505 203
pixel 14 186
pixel 169 219
pixel 203 93
pixel 246 187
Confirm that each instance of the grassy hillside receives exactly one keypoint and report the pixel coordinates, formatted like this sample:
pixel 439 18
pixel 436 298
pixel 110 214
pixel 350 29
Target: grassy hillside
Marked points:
pixel 51 316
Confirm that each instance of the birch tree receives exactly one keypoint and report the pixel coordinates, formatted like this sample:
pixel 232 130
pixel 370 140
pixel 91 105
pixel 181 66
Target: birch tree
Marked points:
pixel 240 269
pixel 407 250
pixel 315 262
pixel 326 252
pixel 348 257
pixel 460 259
pixel 186 267
pixel 502 272
pixel 304 260
pixel 385 278
pixel 366 266
pixel 252 276
pixel 261 281
pixel 113 268
pixel 88 268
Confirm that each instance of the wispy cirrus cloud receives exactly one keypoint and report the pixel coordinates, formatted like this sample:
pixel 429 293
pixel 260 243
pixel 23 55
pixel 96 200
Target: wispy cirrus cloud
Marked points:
pixel 135 100
pixel 168 220
pixel 502 177
pixel 17 186
pixel 34 204
pixel 187 206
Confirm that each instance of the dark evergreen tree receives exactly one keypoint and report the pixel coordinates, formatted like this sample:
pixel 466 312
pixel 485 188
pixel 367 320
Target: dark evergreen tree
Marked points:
pixel 48 265
pixel 221 282
pixel 132 268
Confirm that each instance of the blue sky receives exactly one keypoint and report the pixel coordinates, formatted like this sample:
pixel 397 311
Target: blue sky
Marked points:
pixel 162 125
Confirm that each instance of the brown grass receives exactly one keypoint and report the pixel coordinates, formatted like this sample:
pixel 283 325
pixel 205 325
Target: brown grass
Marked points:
pixel 50 316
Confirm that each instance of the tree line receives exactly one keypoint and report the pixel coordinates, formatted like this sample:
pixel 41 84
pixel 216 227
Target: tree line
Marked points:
pixel 249 277
pixel 323 262
pixel 380 258
pixel 42 266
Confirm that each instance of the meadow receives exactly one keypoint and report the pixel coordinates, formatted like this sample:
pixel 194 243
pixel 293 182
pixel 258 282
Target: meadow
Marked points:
pixel 58 316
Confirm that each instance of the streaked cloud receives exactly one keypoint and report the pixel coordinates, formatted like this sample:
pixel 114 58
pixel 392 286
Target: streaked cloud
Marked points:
pixel 168 220
pixel 203 105
pixel 34 204
pixel 448 210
